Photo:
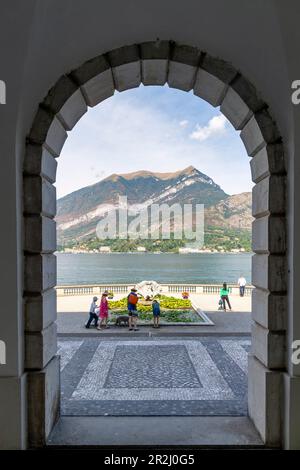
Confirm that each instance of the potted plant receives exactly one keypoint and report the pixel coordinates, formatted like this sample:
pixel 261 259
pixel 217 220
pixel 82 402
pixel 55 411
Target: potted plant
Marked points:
pixel 185 295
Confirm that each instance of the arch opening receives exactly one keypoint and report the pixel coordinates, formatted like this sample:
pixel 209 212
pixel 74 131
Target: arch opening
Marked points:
pixel 217 82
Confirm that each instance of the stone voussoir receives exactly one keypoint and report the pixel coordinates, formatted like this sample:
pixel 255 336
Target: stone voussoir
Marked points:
pixel 269 272
pixel 155 60
pixel 269 196
pixel 47 130
pixel 269 235
pixel 235 109
pixel 41 124
pixel 269 310
pixel 123 55
pixel 183 64
pixel 73 109
pixel 218 68
pixel 154 72
pixel 90 69
pixel 185 54
pixel 40 310
pixel 268 346
pixel 267 126
pixel 269 160
pixel 155 50
pixel 247 92
pixel 39 272
pixel 181 76
pixel 40 234
pixel 259 131
pixel 40 347
pixel 127 76
pixel 126 67
pixel 99 88
pixel 56 137
pixel 209 88
pixel 95 80
pixel 252 137
pixel 59 94
pixel 39 196
pixel 40 162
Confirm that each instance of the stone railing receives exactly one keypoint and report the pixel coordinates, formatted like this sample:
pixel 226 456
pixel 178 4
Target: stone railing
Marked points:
pixel 97 289
pixel 92 289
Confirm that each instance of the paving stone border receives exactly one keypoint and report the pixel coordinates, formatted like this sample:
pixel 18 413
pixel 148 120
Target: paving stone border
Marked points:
pixel 126 392
pixel 219 83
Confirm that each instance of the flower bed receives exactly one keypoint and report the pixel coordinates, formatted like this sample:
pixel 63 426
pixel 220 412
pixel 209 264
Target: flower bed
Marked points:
pixel 167 316
pixel 173 310
pixel 165 302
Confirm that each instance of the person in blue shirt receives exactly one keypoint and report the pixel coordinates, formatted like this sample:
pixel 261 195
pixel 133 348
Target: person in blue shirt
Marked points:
pixel 156 313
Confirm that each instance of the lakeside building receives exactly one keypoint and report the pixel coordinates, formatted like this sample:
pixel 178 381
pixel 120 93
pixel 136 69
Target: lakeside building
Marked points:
pixel 105 249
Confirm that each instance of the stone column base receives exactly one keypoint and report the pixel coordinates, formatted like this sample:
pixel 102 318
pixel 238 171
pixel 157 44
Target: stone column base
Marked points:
pixel 265 388
pixel 43 402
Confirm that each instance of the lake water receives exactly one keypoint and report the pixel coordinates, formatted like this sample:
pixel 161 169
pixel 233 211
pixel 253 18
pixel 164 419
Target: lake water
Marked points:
pixel 200 268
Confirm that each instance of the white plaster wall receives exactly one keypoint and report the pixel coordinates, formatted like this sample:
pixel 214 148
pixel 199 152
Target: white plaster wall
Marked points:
pixel 291 39
pixel 242 32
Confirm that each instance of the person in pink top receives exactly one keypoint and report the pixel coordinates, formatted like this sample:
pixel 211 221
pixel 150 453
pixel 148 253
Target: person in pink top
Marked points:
pixel 103 312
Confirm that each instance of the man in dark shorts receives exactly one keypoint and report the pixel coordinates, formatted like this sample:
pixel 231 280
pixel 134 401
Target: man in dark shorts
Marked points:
pixel 132 300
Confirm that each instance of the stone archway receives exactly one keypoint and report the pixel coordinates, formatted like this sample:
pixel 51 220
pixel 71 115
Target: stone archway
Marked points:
pixel 186 68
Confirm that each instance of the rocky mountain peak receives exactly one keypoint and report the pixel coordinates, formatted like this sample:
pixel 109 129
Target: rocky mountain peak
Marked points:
pixel 79 212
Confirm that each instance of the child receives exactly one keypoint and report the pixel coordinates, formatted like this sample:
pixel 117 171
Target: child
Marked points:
pixel 93 315
pixel 103 311
pixel 156 313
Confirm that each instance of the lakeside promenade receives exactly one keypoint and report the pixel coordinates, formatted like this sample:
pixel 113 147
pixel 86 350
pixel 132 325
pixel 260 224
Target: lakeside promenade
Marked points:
pixel 205 297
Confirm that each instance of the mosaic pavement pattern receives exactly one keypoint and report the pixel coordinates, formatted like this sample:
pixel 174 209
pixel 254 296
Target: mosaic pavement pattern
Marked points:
pixel 151 377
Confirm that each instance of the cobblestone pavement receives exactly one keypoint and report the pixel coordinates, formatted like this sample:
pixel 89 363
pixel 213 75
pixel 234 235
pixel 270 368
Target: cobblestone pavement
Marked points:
pixel 151 377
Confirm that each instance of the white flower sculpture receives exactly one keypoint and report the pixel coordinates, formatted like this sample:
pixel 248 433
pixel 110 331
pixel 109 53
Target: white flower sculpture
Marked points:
pixel 148 288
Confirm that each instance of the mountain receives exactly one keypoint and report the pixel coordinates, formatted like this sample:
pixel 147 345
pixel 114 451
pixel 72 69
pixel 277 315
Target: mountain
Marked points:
pixel 232 212
pixel 79 212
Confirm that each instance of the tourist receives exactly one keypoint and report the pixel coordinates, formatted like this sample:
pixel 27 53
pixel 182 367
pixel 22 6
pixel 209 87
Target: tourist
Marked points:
pixel 93 315
pixel 132 300
pixel 156 313
pixel 103 312
pixel 242 284
pixel 224 293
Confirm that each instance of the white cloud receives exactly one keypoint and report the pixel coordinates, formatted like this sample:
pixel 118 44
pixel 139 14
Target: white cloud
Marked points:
pixel 126 133
pixel 215 126
pixel 184 123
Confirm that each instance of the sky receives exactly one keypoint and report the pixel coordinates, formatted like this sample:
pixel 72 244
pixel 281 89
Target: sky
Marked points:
pixel 153 128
